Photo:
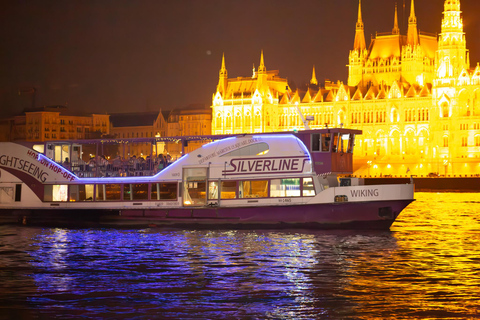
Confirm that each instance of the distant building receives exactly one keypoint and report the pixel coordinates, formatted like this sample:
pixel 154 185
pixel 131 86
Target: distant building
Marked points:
pixel 55 123
pixel 414 96
pixel 192 120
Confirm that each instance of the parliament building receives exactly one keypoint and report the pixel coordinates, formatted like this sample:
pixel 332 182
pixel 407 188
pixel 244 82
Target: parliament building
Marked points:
pixel 414 96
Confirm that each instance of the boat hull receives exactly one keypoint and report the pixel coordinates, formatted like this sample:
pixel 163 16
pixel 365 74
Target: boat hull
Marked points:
pixel 376 215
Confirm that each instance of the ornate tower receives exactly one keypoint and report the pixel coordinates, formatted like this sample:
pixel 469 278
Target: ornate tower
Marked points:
pixel 412 35
pixel 452 55
pixel 359 43
pixel 359 53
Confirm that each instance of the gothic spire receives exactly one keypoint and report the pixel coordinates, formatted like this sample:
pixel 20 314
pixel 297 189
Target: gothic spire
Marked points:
pixel 261 67
pixel 359 43
pixel 314 78
pixel 395 29
pixel 412 35
pixel 223 78
pixel 223 69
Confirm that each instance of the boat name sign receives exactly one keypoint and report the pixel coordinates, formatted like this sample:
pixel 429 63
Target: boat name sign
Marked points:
pixel 266 166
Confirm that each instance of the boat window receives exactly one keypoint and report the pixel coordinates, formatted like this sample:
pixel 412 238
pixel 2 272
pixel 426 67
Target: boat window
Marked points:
pixel 81 192
pixel 325 142
pixel 7 194
pixel 108 192
pixel 344 142
pixel 164 191
pixel 351 143
pixel 315 141
pixel 39 148
pixel 212 190
pixel 308 188
pixel 335 143
pixel 341 198
pixel 285 187
pixel 55 192
pixel 256 149
pixel 135 191
pixel 18 192
pixel 194 186
pixel 253 189
pixel 228 190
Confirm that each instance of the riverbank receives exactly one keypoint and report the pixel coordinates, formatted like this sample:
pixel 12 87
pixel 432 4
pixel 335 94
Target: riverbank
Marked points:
pixel 433 184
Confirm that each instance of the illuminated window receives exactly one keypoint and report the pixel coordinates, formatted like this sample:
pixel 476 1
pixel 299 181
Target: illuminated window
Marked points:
pixel 228 190
pixel 164 191
pixel 477 141
pixel 56 192
pixel 257 119
pixel 108 192
pixel 464 141
pixel 253 189
pixel 445 110
pixel 238 120
pixel 82 192
pixel 445 142
pixel 285 187
pixel 308 188
pixel 213 190
pixel 135 191
pixel 248 120
pixel 218 120
pixel 228 121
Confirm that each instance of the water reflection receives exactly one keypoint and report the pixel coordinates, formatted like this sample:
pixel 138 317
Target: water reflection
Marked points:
pixel 425 268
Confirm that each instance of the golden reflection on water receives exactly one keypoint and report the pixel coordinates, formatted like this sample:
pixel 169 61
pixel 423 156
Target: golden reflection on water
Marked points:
pixel 434 271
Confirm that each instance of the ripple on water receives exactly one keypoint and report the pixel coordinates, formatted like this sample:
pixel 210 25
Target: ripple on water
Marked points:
pixel 426 267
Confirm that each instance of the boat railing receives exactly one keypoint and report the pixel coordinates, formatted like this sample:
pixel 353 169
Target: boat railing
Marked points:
pixel 91 169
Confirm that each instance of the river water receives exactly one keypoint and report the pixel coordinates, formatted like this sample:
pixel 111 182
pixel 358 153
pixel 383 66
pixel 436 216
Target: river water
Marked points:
pixel 426 267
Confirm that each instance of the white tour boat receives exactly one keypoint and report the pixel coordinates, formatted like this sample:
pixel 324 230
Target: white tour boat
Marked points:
pixel 269 180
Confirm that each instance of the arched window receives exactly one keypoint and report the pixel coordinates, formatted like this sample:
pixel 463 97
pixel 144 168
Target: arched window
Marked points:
pixel 257 119
pixel 248 119
pixel 238 120
pixel 218 120
pixel 445 110
pixel 228 122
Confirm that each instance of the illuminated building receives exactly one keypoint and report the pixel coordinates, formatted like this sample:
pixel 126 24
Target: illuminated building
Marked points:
pixel 56 123
pixel 414 97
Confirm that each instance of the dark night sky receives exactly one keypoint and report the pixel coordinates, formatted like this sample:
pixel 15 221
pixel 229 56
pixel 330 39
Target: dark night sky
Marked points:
pixel 140 55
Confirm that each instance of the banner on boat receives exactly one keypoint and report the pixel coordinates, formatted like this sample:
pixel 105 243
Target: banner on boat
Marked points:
pixel 34 164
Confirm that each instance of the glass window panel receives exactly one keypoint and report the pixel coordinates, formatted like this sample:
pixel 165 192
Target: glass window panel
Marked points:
pixel 254 189
pixel 228 190
pixel 285 187
pixel 316 142
pixel 112 192
pixel 251 150
pixel 168 191
pixel 100 192
pixel 154 194
pixel 56 192
pixel 325 142
pixel 108 192
pixel 212 190
pixel 127 192
pixel 139 191
pixel 81 192
pixel 308 188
